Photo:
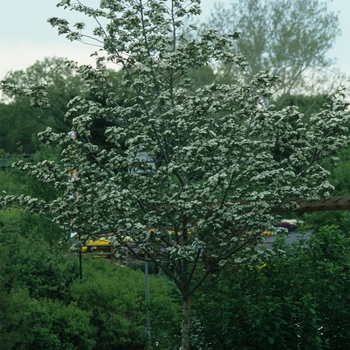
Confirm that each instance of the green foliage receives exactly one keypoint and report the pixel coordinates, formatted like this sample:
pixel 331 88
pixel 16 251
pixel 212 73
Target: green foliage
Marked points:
pixel 19 120
pixel 43 305
pixel 55 326
pixel 116 298
pixel 12 303
pixel 319 219
pixel 13 306
pixel 17 221
pixel 339 174
pixel 9 183
pixel 297 299
pixel 339 178
pixel 14 181
pixel 9 220
pixel 39 267
pixel 28 321
pixel 307 104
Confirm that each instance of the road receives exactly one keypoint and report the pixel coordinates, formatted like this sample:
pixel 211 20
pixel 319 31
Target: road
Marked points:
pixel 291 237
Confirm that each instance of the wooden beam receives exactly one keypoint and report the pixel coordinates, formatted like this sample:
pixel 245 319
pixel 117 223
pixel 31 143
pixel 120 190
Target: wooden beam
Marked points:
pixel 331 203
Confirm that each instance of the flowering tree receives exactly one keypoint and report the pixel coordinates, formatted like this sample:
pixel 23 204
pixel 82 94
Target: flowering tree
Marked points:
pixel 186 178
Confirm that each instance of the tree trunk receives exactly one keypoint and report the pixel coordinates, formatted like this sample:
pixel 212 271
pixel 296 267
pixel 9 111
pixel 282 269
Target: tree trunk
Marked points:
pixel 186 322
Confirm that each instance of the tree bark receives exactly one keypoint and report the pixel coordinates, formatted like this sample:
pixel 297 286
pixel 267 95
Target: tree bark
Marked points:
pixel 186 322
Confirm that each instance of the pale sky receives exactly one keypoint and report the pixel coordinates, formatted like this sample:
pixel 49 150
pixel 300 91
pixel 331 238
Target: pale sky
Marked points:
pixel 25 35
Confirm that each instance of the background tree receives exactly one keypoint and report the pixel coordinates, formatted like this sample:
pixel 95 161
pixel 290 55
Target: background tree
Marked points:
pixel 14 181
pixel 19 120
pixel 21 123
pixel 189 177
pixel 289 39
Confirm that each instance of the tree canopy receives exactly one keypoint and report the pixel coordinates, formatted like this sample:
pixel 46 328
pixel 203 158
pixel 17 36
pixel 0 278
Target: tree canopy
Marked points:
pixel 20 122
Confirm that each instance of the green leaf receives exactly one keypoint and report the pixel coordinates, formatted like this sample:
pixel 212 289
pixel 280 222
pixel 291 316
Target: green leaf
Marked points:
pixel 271 340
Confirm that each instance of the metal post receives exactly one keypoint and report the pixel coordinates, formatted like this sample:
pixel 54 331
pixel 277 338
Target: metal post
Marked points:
pixel 80 261
pixel 148 319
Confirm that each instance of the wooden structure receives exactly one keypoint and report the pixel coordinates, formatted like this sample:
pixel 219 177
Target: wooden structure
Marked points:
pixel 330 203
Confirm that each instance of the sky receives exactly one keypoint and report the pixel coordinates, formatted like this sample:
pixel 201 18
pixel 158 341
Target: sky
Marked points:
pixel 25 35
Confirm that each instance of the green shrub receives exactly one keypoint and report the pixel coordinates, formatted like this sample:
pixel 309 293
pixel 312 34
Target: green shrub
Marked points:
pixel 297 299
pixel 116 298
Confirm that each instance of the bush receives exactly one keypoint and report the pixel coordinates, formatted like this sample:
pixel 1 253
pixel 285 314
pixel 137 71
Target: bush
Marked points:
pixel 297 299
pixel 51 325
pixel 116 298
